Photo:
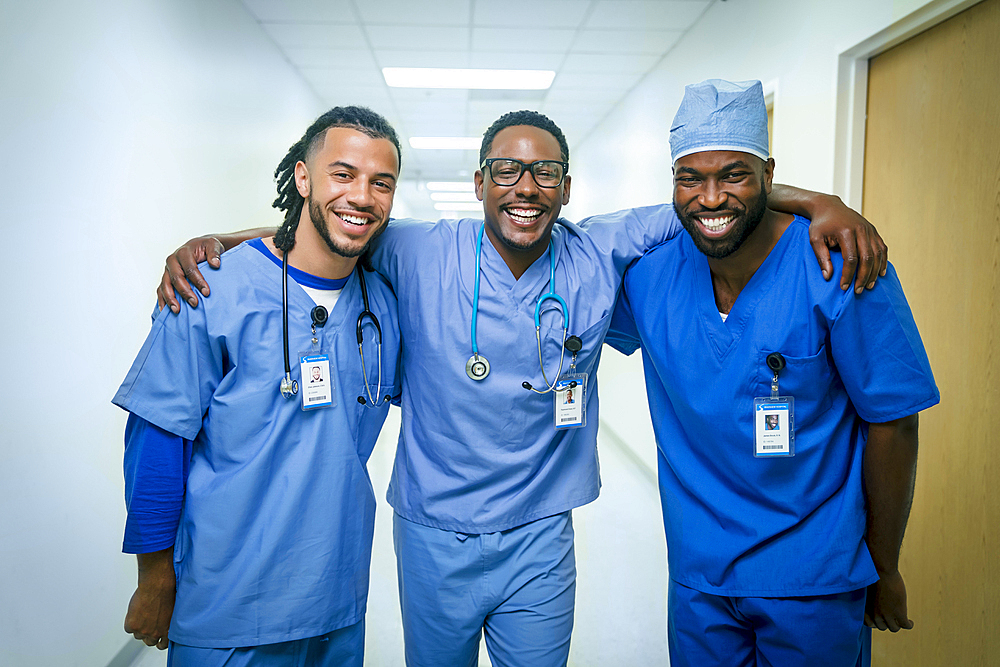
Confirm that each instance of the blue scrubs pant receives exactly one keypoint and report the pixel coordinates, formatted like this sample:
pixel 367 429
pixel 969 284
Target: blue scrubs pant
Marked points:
pixel 518 586
pixel 340 648
pixel 704 630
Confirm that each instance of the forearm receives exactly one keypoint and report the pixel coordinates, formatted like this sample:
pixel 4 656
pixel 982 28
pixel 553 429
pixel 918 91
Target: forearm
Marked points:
pixel 156 569
pixel 890 467
pixel 806 203
pixel 233 239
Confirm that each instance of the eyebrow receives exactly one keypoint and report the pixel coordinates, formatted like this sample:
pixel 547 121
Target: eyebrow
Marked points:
pixel 739 164
pixel 345 165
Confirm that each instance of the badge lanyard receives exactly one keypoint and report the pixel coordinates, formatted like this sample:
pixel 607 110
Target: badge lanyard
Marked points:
pixel 774 417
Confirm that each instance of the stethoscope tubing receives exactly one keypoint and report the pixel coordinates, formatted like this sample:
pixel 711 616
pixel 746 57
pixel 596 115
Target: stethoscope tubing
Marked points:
pixel 551 294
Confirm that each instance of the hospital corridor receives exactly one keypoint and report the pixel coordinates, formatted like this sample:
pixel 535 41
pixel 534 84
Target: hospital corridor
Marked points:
pixel 584 244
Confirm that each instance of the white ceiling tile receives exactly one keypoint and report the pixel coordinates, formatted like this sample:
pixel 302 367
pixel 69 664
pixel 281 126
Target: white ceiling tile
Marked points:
pixel 446 97
pixel 346 77
pixel 368 96
pixel 407 12
pixel 646 14
pixel 425 38
pixel 393 58
pixel 511 40
pixel 589 81
pixel 338 11
pixel 582 96
pixel 550 13
pixel 608 62
pixel 515 60
pixel 311 35
pixel 315 57
pixel 651 42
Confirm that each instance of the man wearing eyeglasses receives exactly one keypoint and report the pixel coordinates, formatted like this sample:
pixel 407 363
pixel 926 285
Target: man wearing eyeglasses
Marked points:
pixel 484 483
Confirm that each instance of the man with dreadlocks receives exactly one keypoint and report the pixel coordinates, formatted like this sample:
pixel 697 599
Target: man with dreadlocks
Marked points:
pixel 484 483
pixel 256 507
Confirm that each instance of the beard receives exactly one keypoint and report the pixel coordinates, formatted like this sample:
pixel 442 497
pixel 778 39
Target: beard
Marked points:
pixel 344 250
pixel 746 221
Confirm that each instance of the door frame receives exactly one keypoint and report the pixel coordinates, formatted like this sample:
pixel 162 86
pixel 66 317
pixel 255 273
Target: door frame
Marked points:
pixel 852 92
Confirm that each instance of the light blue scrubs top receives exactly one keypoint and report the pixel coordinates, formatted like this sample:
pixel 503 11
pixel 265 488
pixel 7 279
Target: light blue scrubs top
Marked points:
pixel 781 526
pixel 274 542
pixel 479 457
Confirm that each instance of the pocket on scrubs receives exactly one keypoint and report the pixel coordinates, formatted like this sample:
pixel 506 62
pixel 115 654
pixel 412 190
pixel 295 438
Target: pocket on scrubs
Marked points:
pixel 592 337
pixel 809 380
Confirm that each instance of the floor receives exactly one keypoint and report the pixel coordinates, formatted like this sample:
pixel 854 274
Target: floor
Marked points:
pixel 621 565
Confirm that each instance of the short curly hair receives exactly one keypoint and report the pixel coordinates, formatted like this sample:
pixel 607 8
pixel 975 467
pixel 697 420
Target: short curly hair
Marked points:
pixel 524 117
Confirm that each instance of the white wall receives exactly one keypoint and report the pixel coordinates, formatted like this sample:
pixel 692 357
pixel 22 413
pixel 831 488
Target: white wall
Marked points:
pixel 126 126
pixel 793 47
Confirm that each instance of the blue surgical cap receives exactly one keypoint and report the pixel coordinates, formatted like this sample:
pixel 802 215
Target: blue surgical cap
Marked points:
pixel 717 115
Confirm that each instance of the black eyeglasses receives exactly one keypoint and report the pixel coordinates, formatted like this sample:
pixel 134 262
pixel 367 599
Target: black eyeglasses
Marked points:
pixel 507 171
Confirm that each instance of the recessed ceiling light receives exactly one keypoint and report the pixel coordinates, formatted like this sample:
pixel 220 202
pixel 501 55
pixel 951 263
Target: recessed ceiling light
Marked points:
pixel 446 143
pixel 454 196
pixel 494 79
pixel 458 206
pixel 450 186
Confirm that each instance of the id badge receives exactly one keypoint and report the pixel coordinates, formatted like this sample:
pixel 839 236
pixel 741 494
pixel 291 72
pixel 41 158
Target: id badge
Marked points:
pixel 316 382
pixel 571 401
pixel 774 426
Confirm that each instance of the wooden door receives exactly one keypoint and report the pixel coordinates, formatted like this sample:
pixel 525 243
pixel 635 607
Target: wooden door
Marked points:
pixel 932 186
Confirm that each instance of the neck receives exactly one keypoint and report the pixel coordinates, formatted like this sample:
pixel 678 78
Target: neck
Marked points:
pixel 732 273
pixel 311 254
pixel 518 260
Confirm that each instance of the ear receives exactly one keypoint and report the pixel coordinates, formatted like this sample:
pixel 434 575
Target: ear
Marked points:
pixel 566 183
pixel 478 179
pixel 768 175
pixel 302 179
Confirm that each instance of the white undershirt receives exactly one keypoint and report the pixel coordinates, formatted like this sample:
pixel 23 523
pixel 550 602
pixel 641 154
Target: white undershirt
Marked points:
pixel 323 297
pixel 723 315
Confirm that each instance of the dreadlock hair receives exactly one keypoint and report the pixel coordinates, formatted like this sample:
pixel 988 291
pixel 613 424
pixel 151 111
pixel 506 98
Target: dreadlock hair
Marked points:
pixel 289 200
pixel 532 118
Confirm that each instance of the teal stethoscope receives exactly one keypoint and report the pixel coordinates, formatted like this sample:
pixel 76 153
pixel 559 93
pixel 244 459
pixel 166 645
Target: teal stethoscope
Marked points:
pixel 477 368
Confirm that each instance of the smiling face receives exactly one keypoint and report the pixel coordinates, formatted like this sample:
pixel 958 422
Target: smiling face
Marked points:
pixel 519 217
pixel 348 182
pixel 720 198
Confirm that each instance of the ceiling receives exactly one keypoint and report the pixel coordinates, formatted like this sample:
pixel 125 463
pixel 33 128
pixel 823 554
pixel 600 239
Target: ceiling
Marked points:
pixel 599 50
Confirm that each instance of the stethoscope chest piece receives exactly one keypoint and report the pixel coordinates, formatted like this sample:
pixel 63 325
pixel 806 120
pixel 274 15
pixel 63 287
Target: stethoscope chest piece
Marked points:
pixel 477 367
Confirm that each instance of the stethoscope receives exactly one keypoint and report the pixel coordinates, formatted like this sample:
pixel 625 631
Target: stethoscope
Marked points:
pixel 477 368
pixel 319 316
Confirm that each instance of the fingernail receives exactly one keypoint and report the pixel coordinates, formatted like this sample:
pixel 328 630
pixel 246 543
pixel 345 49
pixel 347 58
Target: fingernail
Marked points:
pixel 192 302
pixel 871 284
pixel 204 291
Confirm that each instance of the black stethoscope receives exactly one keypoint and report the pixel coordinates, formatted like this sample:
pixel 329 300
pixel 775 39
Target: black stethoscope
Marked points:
pixel 319 315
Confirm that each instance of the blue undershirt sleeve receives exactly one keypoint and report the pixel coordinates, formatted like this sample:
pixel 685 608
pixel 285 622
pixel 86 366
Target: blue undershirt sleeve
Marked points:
pixel 156 470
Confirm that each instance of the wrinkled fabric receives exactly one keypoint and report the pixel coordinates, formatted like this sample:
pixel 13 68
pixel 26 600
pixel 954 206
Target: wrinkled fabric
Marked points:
pixel 717 115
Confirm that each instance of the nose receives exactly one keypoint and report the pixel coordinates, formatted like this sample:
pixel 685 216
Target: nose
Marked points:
pixel 711 195
pixel 360 194
pixel 526 185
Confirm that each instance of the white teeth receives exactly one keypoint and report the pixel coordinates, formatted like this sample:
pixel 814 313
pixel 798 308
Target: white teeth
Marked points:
pixel 523 215
pixel 716 224
pixel 353 220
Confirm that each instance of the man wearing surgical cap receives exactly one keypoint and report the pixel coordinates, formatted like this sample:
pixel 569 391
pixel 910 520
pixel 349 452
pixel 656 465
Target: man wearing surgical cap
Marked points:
pixel 777 538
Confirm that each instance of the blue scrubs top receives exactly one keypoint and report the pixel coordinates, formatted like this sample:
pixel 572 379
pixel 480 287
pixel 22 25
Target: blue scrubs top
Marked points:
pixel 479 457
pixel 274 542
pixel 769 527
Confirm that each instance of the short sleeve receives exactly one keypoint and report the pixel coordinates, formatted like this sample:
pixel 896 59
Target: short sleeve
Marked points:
pixel 879 355
pixel 623 334
pixel 175 374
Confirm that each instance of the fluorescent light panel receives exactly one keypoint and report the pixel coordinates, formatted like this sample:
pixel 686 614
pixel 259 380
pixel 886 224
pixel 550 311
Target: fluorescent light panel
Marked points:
pixel 446 143
pixel 458 206
pixel 450 186
pixel 454 196
pixel 492 79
